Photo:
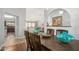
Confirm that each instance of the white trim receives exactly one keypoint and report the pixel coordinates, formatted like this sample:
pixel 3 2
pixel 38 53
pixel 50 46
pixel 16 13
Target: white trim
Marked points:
pixel 20 37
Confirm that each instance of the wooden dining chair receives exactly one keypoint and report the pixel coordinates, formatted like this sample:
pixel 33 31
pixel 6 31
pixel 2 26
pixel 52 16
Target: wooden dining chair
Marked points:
pixel 60 31
pixel 29 45
pixel 36 43
pixel 50 31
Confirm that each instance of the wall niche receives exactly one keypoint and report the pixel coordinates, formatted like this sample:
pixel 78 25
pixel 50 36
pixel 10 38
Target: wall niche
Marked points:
pixel 59 17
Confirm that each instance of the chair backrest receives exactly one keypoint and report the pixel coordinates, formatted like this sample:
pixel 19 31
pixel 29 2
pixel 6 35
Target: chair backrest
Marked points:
pixel 50 31
pixel 29 45
pixel 26 34
pixel 60 31
pixel 35 41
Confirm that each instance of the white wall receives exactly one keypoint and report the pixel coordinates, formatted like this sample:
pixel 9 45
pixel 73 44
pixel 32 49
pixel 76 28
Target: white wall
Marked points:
pixel 21 13
pixel 35 14
pixel 74 14
pixel 2 39
pixel 55 12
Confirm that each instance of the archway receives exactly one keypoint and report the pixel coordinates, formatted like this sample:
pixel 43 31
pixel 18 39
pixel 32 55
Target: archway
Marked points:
pixel 66 18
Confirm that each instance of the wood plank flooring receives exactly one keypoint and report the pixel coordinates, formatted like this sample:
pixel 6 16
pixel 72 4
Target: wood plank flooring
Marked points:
pixel 13 44
pixel 16 47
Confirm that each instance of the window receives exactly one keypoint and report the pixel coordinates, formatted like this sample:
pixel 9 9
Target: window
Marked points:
pixel 30 25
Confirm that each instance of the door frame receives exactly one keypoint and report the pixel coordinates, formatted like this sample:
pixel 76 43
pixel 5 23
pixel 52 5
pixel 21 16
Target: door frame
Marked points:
pixel 16 19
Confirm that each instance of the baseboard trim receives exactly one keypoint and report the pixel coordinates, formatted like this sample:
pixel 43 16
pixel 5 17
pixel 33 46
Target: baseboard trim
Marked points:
pixel 20 37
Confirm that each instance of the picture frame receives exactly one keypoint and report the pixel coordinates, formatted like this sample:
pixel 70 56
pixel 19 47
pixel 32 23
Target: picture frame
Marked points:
pixel 57 21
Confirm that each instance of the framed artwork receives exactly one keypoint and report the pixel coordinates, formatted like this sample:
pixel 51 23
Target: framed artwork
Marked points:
pixel 57 21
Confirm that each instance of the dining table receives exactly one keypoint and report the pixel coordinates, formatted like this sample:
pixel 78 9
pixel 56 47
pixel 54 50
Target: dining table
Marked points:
pixel 50 42
pixel 54 45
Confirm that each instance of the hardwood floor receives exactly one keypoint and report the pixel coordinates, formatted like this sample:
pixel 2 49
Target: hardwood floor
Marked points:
pixel 13 44
pixel 16 47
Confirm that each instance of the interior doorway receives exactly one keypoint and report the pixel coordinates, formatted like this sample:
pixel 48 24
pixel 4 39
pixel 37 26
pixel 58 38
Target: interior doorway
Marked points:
pixel 10 24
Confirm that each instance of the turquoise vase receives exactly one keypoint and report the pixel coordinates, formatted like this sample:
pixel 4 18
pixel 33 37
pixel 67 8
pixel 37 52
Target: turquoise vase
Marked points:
pixel 65 38
pixel 36 30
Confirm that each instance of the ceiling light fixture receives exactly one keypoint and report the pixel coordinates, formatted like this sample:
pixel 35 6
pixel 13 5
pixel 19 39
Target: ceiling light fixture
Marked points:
pixel 8 16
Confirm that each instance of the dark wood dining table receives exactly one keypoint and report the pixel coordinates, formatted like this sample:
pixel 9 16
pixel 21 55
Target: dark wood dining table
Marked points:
pixel 54 45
